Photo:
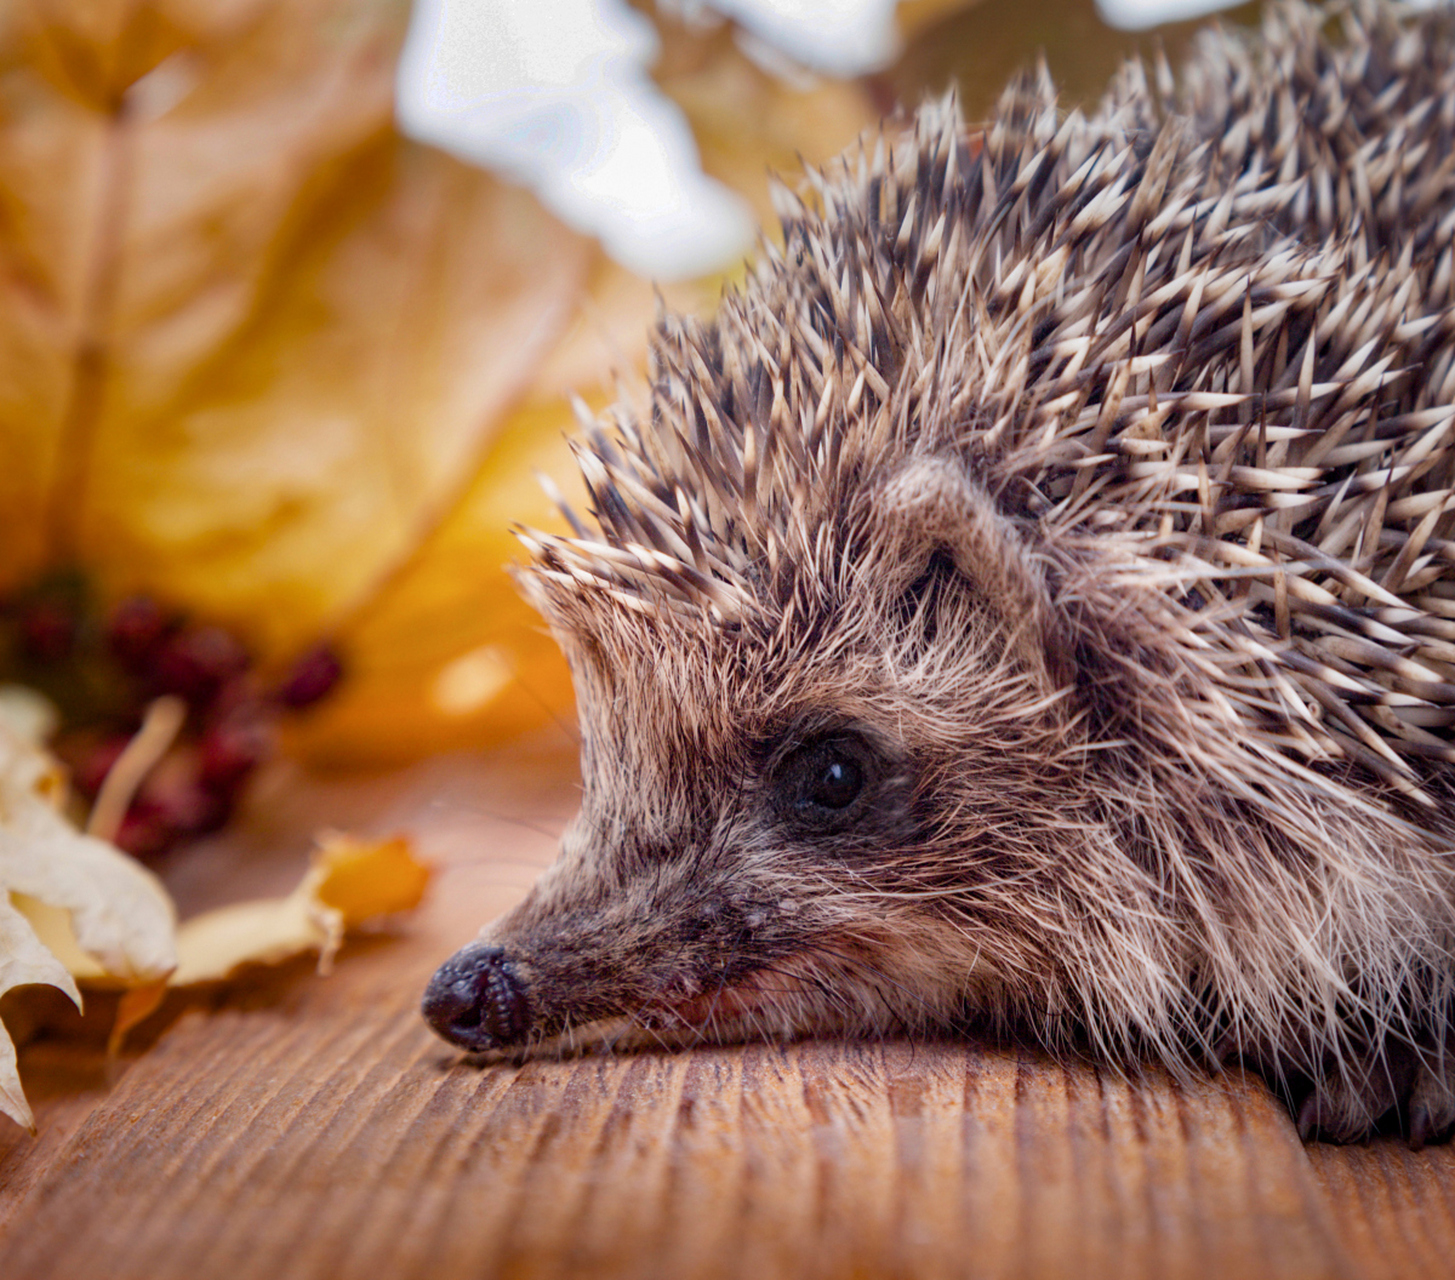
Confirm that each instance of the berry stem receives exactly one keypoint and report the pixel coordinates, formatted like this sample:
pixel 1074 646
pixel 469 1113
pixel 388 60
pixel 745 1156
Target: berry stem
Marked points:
pixel 159 729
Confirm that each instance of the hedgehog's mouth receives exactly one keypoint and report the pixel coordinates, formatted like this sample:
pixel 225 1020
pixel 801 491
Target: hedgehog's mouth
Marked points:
pixel 760 1005
pixel 728 1005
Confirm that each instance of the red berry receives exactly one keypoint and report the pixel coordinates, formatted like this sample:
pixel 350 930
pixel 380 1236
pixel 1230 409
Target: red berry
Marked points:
pixel 230 751
pixel 137 627
pixel 174 793
pixel 143 832
pixel 195 664
pixel 47 630
pixel 312 677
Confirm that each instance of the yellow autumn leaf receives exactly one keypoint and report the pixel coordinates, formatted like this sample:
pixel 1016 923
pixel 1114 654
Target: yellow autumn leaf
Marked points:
pixel 252 342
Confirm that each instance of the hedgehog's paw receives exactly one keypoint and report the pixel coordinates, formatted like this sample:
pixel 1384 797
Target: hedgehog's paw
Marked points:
pixel 1348 1101
pixel 1411 1089
pixel 1340 1110
pixel 1431 1110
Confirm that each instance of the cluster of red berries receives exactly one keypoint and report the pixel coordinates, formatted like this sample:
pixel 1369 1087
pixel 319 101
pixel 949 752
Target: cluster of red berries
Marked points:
pixel 102 670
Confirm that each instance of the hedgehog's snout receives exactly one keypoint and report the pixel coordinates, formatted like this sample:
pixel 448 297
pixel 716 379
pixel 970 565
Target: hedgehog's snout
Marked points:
pixel 477 1000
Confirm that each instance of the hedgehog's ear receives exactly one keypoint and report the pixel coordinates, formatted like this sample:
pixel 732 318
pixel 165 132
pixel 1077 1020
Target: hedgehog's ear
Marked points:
pixel 936 517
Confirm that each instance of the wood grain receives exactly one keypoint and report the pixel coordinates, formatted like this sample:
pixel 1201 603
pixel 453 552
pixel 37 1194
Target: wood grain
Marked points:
pixel 310 1127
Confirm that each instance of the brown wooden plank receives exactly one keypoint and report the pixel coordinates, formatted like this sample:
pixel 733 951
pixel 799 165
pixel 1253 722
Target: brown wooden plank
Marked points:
pixel 310 1127
pixel 1394 1208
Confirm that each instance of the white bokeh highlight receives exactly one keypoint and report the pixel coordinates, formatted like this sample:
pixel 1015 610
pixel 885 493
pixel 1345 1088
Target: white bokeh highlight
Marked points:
pixel 837 37
pixel 555 95
pixel 1138 15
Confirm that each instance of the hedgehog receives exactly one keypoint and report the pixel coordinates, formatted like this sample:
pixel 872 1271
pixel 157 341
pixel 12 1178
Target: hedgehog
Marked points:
pixel 1027 606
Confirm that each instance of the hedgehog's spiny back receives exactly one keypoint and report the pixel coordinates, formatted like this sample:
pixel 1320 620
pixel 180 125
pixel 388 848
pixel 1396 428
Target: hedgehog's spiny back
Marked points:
pixel 1210 351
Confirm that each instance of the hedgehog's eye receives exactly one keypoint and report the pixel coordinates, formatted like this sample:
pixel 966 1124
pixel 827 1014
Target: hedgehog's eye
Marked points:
pixel 838 784
pixel 822 783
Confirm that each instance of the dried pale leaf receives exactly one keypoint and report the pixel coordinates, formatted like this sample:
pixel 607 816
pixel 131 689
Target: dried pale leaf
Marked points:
pixel 68 903
pixel 52 926
pixel 24 960
pixel 349 882
pixel 31 716
pixel 214 945
pixel 121 915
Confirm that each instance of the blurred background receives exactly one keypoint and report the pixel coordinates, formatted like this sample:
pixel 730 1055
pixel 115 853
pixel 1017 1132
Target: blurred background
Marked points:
pixel 558 95
pixel 295 296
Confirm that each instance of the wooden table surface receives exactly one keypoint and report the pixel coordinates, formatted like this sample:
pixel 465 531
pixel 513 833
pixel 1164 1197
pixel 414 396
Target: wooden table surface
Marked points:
pixel 306 1126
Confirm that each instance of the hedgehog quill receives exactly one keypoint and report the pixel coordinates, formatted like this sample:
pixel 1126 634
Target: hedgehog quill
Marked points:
pixel 1030 601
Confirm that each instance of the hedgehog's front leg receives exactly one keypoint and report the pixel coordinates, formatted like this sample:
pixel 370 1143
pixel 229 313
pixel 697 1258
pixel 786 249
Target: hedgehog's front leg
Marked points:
pixel 1413 1085
pixel 1431 1107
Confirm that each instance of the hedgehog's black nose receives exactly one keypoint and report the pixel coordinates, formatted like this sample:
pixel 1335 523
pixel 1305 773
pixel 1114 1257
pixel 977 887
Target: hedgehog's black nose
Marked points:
pixel 475 1000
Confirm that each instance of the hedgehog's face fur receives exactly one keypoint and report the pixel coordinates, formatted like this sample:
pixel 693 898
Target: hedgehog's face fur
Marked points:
pixel 747 798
